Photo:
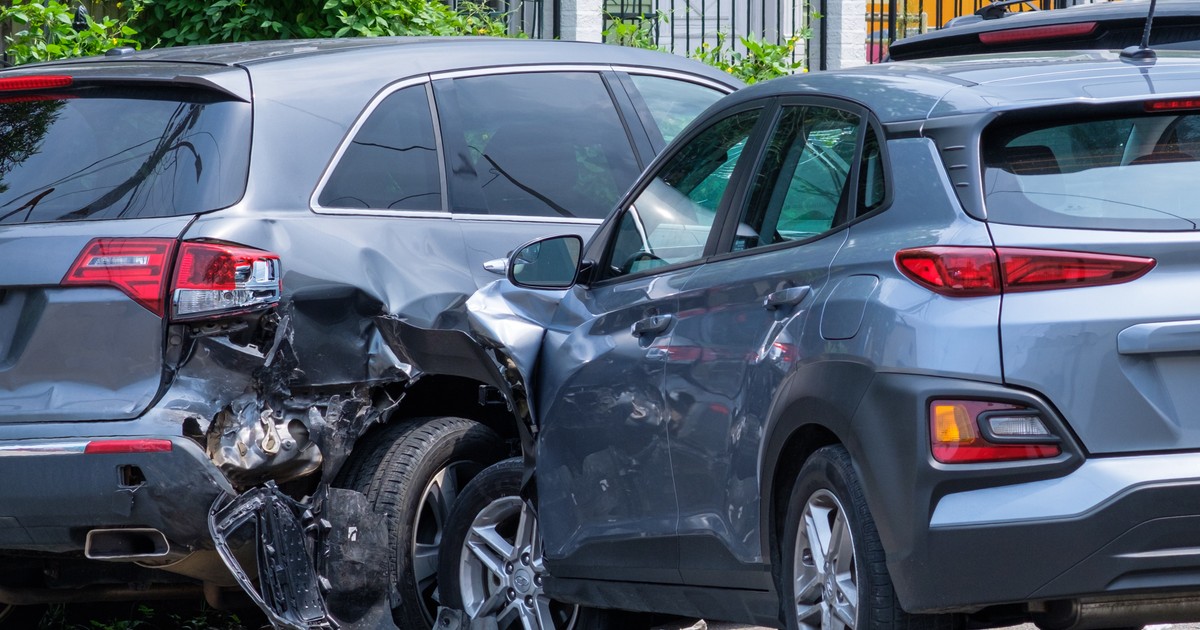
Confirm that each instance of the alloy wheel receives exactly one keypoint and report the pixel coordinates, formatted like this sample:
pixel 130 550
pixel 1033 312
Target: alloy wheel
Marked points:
pixel 826 580
pixel 501 571
pixel 436 502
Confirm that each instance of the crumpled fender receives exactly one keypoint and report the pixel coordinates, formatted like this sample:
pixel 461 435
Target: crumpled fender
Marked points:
pixel 494 337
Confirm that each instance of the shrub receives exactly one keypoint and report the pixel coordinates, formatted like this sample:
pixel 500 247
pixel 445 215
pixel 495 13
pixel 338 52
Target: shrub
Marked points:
pixel 180 22
pixel 53 30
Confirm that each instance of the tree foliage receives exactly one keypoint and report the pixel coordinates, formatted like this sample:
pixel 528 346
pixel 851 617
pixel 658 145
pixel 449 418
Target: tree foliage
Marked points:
pixel 53 30
pixel 182 22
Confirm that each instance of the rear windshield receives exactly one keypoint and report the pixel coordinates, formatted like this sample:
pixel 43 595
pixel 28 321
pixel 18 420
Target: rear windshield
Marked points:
pixel 1134 173
pixel 128 153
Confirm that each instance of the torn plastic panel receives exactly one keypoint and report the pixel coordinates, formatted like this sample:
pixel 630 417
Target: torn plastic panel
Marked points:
pixel 349 540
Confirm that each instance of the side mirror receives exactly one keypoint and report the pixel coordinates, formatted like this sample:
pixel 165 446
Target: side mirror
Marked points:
pixel 548 263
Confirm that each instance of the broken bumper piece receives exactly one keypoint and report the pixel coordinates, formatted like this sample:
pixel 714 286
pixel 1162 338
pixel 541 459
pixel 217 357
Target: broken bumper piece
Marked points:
pixel 346 586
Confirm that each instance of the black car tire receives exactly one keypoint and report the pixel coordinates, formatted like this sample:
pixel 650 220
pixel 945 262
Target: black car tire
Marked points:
pixel 492 501
pixel 846 585
pixel 412 473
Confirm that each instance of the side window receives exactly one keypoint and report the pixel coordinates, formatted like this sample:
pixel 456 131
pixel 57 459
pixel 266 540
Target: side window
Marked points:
pixel 673 103
pixel 671 219
pixel 802 187
pixel 537 144
pixel 392 162
pixel 871 184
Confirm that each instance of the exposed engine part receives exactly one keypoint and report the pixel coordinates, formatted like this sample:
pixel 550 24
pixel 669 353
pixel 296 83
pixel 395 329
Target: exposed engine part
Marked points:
pixel 252 445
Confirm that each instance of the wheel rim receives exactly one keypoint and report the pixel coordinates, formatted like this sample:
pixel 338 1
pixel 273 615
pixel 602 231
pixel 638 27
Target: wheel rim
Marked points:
pixel 501 571
pixel 826 581
pixel 432 512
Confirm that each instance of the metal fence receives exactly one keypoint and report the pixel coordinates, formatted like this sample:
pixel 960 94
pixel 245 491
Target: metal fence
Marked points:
pixel 684 26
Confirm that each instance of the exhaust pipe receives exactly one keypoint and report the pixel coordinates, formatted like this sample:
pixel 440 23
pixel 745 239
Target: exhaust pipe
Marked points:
pixel 125 544
pixel 1127 612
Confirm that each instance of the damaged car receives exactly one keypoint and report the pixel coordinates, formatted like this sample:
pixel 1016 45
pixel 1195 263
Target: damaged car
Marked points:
pixel 206 256
pixel 910 345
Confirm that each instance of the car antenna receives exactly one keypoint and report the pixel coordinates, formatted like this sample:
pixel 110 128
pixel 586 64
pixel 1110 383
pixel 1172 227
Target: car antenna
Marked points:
pixel 1142 52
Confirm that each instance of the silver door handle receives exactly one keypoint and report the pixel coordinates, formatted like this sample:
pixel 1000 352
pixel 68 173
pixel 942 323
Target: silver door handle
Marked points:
pixel 786 297
pixel 653 325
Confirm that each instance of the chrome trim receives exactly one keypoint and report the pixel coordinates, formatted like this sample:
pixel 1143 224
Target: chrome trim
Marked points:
pixel 41 448
pixel 511 218
pixel 541 67
pixel 677 74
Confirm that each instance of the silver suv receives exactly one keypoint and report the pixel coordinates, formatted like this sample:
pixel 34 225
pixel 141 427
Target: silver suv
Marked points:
pixel 906 346
pixel 201 250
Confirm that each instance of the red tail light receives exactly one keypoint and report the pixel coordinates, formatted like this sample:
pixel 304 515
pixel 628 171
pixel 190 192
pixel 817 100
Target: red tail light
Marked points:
pixel 211 279
pixel 215 278
pixel 970 431
pixel 137 266
pixel 97 447
pixel 34 82
pixel 1172 104
pixel 1037 33
pixel 976 271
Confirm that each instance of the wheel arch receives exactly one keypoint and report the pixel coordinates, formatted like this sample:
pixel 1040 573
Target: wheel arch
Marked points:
pixel 804 418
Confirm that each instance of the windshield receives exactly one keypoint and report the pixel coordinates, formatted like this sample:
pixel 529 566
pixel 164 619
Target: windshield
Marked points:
pixel 1134 173
pixel 120 153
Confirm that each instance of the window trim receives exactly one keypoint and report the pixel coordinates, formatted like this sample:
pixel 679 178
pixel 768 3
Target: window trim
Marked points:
pixel 368 111
pixel 599 249
pixel 729 230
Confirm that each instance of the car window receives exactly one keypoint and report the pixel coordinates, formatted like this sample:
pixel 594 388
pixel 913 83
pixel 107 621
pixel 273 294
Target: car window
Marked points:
pixel 673 103
pixel 670 220
pixel 392 162
pixel 1131 173
pixel 801 188
pixel 872 189
pixel 121 153
pixel 537 144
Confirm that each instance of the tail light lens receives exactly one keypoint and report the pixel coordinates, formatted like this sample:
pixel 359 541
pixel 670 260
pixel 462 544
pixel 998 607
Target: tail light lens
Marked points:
pixel 214 278
pixel 971 431
pixel 35 82
pixel 137 266
pixel 1037 33
pixel 100 447
pixel 976 271
pixel 211 279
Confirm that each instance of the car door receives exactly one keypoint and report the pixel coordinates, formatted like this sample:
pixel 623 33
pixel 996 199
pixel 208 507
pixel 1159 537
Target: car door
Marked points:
pixel 606 492
pixel 745 323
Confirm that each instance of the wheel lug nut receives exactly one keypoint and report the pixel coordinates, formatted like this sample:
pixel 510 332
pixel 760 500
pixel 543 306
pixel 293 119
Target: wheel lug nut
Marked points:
pixel 537 579
pixel 511 594
pixel 508 568
pixel 525 559
pixel 529 601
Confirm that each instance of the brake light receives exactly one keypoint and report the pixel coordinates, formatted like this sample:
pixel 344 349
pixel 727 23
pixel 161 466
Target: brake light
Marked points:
pixel 968 431
pixel 215 278
pixel 97 447
pixel 211 279
pixel 136 266
pixel 1172 104
pixel 34 82
pixel 978 271
pixel 1037 33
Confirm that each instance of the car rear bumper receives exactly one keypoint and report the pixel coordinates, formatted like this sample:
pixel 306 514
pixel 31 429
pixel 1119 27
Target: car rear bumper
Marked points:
pixel 53 493
pixel 963 537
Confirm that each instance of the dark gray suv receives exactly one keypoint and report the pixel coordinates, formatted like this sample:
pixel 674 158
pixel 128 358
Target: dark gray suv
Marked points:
pixel 905 346
pixel 201 251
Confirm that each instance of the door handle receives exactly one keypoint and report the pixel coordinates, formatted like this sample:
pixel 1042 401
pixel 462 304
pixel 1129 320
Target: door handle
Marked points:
pixel 653 325
pixel 786 297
